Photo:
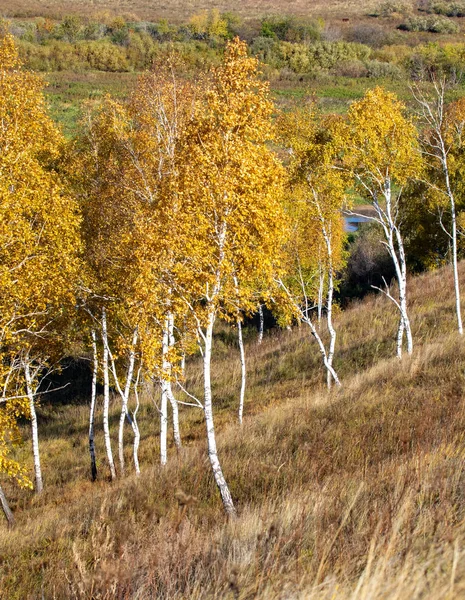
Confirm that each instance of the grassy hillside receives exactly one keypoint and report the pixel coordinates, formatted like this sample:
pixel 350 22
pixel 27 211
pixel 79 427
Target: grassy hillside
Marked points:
pixel 177 10
pixel 354 494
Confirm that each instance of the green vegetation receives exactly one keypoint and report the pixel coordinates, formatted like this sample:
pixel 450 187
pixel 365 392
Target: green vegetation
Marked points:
pixel 300 54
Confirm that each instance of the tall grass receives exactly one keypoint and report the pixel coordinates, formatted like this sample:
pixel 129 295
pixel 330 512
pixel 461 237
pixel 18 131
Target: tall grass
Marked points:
pixel 355 494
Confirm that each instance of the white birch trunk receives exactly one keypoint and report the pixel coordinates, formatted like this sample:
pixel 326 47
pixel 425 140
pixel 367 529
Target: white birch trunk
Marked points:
pixel 93 462
pixel 261 323
pixel 136 430
pixel 453 236
pixel 34 428
pixel 322 349
pixel 208 410
pixel 393 236
pixel 6 508
pixel 456 270
pixel 175 412
pixel 106 397
pixel 125 398
pixel 332 331
pixel 243 371
pixel 434 115
pixel 321 287
pixel 329 307
pixel 164 398
pixel 171 397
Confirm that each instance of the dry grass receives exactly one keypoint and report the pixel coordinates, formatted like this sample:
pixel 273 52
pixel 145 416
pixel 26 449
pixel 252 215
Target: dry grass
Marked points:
pixel 355 494
pixel 176 11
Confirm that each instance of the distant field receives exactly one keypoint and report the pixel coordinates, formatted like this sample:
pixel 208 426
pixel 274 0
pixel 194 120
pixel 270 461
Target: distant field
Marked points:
pixel 177 10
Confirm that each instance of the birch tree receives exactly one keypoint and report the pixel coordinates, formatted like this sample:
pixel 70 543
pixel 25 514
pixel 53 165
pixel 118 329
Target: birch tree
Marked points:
pixel 383 154
pixel 442 147
pixel 315 248
pixel 231 188
pixel 39 232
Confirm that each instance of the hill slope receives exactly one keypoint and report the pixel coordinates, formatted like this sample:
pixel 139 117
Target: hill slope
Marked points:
pixel 177 10
pixel 354 494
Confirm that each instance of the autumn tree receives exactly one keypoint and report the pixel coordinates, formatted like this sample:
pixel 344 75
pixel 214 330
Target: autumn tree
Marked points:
pixel 110 214
pixel 382 153
pixel 443 146
pixel 231 189
pixel 39 233
pixel 314 249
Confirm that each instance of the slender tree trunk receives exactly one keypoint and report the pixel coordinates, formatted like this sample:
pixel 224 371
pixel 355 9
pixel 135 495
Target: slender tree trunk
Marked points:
pixel 6 509
pixel 175 412
pixel 434 114
pixel 136 425
pixel 329 308
pixel 393 236
pixel 208 409
pixel 262 323
pixel 321 287
pixel 403 290
pixel 171 397
pixel 400 336
pixel 93 462
pixel 106 397
pixel 321 346
pixel 454 249
pixel 125 399
pixel 243 371
pixel 34 428
pixel 332 331
pixel 164 397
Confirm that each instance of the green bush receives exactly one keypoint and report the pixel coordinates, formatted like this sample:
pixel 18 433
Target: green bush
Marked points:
pixel 378 69
pixel 448 59
pixel 447 9
pixel 389 8
pixel 430 24
pixel 290 29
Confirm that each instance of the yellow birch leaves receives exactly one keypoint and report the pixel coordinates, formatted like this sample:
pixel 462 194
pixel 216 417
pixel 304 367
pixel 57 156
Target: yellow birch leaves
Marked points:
pixel 39 237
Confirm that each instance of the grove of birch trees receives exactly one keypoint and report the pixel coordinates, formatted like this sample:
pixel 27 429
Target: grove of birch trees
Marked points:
pixel 191 202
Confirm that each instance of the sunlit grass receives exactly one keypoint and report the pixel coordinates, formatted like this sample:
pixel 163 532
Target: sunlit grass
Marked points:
pixel 357 493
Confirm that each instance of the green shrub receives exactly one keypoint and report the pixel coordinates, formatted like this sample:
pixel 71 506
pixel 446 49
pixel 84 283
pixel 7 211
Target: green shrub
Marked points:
pixel 448 59
pixel 378 69
pixel 103 56
pixel 390 8
pixel 290 29
pixel 447 9
pixel 431 24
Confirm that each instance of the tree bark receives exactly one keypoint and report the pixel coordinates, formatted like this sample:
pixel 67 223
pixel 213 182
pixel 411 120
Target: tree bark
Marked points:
pixel 135 424
pixel 34 428
pixel 125 398
pixel 93 462
pixel 261 323
pixel 455 269
pixel 243 370
pixel 332 331
pixel 329 307
pixel 208 410
pixel 171 397
pixel 320 293
pixel 106 397
pixel 6 509
pixel 164 397
pixel 392 237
